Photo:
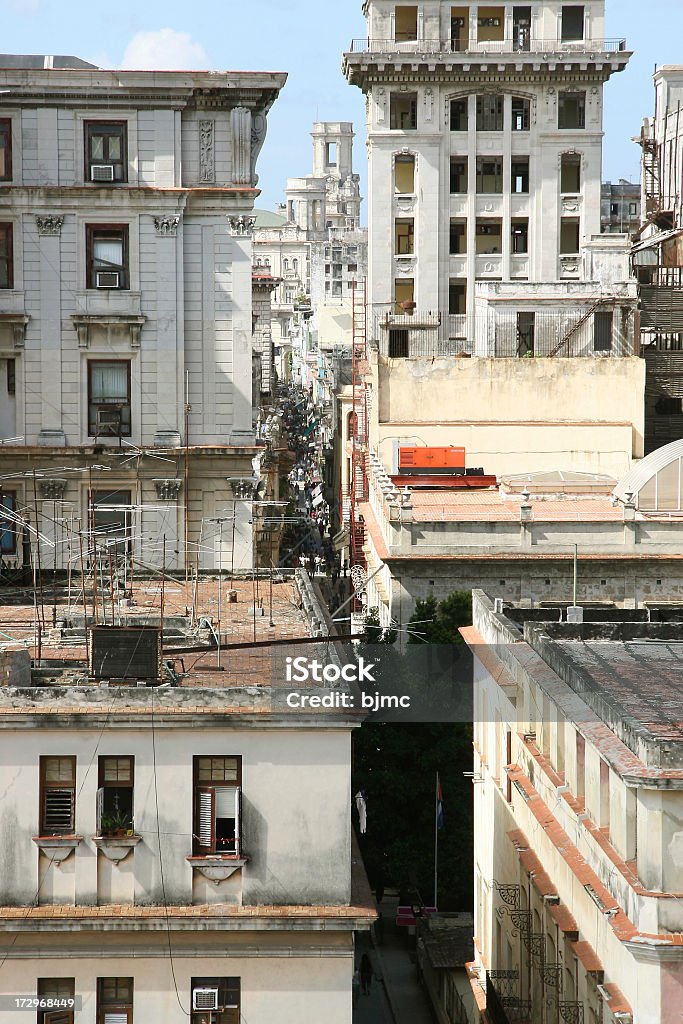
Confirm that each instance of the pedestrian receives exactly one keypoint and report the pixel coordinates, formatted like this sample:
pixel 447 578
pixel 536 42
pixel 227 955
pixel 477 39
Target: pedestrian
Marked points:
pixel 365 974
pixel 355 987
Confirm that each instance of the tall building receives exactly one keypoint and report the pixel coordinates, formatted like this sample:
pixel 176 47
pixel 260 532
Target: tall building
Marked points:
pixel 577 789
pixel 126 215
pixel 179 852
pixel 500 319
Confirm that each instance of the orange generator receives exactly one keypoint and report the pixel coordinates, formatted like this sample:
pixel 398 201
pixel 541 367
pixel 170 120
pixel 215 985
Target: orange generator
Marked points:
pixel 432 461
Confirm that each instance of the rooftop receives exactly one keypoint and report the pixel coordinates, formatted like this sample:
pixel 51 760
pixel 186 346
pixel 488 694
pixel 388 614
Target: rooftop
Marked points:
pixel 493 506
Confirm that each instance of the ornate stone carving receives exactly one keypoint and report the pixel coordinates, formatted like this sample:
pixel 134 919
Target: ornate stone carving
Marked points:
pixel 216 869
pixel 207 160
pixel 165 225
pixel 259 127
pixel 167 488
pixel 571 205
pixel 52 490
pixel 241 145
pixel 50 224
pixel 242 487
pixel 242 225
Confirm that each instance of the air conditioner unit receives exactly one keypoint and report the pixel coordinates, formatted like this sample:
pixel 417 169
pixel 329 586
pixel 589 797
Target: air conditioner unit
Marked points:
pixel 205 999
pixel 102 172
pixel 108 421
pixel 107 279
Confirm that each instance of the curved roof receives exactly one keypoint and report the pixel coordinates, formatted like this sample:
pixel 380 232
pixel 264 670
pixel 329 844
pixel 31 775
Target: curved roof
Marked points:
pixel 656 482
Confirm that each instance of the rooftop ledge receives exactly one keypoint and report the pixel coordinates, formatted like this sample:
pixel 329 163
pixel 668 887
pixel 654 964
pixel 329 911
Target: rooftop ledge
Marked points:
pixel 537 48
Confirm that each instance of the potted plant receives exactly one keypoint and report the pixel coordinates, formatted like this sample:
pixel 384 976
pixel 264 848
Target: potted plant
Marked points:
pixel 116 825
pixel 408 306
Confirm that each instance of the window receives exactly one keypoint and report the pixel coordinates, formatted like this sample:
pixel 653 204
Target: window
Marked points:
pixel 6 258
pixel 602 331
pixel 115 795
pixel 521 114
pixel 404 295
pixel 406 24
pixel 11 376
pixel 111 515
pixel 403 113
pixel 489 113
pixel 570 174
pixel 489 237
pixel 458 237
pixel 457 297
pixel 217 793
pixel 109 398
pixel 398 343
pixel 633 209
pixel 114 1001
pixel 489 175
pixel 519 179
pixel 5 149
pixel 460 18
pixel 63 991
pixel 521 28
pixel 331 154
pixel 668 406
pixel 572 23
pixel 8 530
pixel 569 235
pixel 571 110
pixel 57 795
pixel 520 237
pixel 404 242
pixel 106 248
pixel 459 115
pixel 491 24
pixel 215 1001
pixel 459 175
pixel 105 151
pixel 526 335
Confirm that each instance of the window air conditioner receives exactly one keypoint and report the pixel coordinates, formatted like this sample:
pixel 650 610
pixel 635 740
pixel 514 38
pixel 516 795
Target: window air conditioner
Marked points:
pixel 102 172
pixel 108 421
pixel 107 279
pixel 205 999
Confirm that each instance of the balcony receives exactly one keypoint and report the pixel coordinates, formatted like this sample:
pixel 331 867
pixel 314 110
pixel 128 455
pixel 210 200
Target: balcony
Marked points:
pixel 444 47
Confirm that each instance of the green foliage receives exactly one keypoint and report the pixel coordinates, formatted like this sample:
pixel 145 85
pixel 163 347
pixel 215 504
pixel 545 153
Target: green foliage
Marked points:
pixel 396 765
pixel 373 632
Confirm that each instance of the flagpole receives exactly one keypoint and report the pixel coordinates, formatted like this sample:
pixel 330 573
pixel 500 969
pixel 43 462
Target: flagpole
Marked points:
pixel 436 841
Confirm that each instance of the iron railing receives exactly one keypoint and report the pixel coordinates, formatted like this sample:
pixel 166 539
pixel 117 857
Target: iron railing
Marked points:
pixel 580 332
pixel 512 46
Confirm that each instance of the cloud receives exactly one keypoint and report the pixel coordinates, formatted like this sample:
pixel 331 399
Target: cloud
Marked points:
pixel 165 50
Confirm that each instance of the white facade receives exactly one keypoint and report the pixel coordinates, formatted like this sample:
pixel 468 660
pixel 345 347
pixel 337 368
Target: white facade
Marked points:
pixel 125 295
pixel 485 143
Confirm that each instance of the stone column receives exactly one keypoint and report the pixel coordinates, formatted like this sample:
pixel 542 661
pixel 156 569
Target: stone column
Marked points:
pixel 241 146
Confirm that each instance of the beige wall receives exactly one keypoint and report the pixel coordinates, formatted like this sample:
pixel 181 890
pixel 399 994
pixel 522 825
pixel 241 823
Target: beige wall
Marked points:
pixel 583 414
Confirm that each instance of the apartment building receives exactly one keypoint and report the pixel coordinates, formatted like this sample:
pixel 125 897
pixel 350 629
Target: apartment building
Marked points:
pixel 485 128
pixel 170 854
pixel 126 216
pixel 577 782
pixel 620 207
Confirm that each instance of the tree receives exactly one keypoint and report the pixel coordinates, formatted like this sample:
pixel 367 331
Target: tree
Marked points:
pixel 396 765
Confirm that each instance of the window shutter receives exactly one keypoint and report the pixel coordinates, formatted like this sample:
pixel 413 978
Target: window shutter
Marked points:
pixel 99 806
pixel 58 1017
pixel 238 821
pixel 204 825
pixel 115 1017
pixel 59 811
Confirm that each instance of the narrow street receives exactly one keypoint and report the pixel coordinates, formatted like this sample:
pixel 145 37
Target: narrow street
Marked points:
pixel 396 993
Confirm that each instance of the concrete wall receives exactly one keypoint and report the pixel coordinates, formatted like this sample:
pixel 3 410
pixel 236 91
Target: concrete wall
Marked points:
pixel 516 416
pixel 295 801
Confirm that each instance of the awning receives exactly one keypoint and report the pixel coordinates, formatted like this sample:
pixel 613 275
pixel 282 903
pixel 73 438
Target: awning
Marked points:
pixel 661 236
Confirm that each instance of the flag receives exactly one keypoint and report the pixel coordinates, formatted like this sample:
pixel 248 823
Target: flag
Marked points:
pixel 439 803
pixel 362 808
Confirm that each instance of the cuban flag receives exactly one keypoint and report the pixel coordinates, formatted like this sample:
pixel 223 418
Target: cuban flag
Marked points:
pixel 439 803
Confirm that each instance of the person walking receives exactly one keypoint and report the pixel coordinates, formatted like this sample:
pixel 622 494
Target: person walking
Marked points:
pixel 365 974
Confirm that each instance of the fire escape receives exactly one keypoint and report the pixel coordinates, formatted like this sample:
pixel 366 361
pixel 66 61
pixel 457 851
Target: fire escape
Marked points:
pixel 359 424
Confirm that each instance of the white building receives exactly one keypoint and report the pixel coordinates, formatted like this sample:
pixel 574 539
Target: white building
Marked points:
pixel 577 789
pixel 180 852
pixel 126 205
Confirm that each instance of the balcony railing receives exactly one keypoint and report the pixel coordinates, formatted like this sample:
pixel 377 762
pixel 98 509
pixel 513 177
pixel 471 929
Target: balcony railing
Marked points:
pixel 575 333
pixel 446 46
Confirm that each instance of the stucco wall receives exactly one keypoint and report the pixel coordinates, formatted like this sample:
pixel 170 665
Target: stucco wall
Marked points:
pixel 517 416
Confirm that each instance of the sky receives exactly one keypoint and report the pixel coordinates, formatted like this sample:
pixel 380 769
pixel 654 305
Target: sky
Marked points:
pixel 306 38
